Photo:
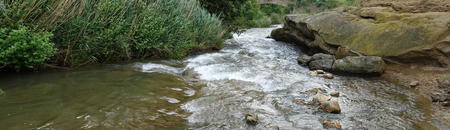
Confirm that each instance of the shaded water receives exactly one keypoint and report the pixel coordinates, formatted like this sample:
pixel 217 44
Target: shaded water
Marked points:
pixel 104 97
pixel 252 74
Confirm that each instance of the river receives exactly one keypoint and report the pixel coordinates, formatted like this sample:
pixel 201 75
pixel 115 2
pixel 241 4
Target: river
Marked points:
pixel 251 74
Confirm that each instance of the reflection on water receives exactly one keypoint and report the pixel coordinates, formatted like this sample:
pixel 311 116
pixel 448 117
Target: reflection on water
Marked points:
pixel 96 98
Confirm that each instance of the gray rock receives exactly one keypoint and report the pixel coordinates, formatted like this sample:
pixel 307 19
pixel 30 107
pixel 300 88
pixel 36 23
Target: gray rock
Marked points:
pixel 321 56
pixel 360 65
pixel 304 60
pixel 325 64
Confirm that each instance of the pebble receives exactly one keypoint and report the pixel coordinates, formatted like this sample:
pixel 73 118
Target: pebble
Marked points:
pixel 414 84
pixel 335 94
pixel 320 71
pixel 328 76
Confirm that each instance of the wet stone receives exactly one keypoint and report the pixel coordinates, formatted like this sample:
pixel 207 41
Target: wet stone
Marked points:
pixel 320 71
pixel 320 98
pixel 331 106
pixel 335 94
pixel 331 124
pixel 251 119
pixel 328 76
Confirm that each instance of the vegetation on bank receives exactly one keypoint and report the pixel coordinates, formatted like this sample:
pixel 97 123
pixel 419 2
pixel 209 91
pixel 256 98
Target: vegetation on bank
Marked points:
pixel 73 33
pixel 238 14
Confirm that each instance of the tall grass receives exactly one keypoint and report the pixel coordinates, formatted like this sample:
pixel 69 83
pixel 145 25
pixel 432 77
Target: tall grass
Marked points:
pixel 90 31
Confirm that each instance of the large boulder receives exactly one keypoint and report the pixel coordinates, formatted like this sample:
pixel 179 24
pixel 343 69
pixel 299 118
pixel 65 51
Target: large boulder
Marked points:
pixel 421 38
pixel 360 65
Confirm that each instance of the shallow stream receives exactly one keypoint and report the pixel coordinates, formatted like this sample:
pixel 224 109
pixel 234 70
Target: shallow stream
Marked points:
pixel 252 74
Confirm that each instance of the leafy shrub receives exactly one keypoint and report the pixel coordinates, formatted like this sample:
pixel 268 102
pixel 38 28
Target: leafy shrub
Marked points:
pixel 22 48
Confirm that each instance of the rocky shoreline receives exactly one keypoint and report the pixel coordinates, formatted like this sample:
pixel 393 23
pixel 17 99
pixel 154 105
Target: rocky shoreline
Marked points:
pixel 407 46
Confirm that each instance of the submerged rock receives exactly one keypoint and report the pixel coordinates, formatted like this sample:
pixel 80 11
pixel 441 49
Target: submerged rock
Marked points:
pixel 251 119
pixel 360 65
pixel 330 124
pixel 2 92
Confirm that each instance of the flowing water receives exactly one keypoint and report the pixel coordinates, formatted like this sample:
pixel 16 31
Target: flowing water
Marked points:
pixel 252 74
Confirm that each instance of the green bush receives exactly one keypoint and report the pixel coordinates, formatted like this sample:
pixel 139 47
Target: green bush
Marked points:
pixel 117 30
pixel 276 13
pixel 22 48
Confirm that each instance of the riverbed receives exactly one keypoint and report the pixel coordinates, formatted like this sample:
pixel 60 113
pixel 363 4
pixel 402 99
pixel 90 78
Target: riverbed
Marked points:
pixel 251 74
